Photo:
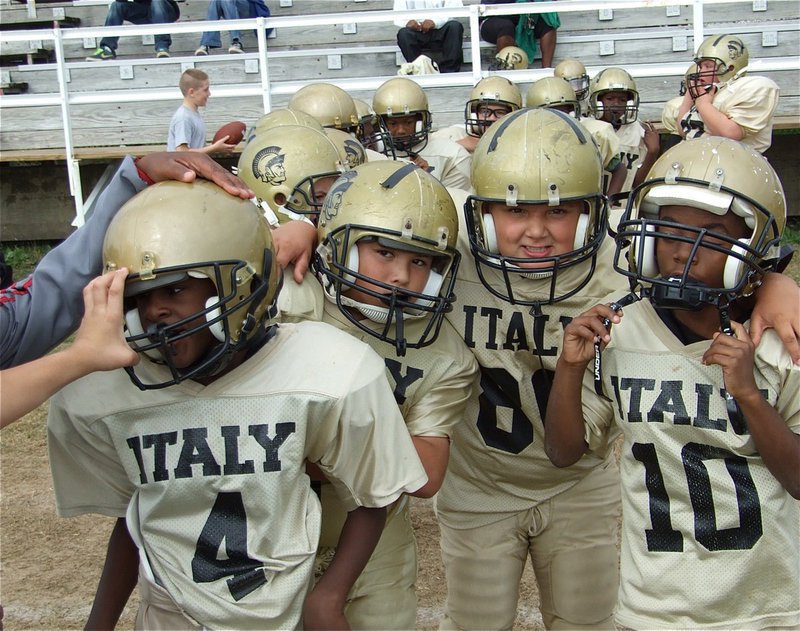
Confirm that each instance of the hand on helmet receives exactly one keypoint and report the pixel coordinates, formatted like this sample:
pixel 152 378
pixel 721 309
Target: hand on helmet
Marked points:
pixel 186 166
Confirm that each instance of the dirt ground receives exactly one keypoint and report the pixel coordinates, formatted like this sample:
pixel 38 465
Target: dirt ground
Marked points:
pixel 51 565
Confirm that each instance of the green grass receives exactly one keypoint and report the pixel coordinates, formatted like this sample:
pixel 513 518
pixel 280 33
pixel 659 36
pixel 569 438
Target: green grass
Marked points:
pixel 23 256
pixel 791 234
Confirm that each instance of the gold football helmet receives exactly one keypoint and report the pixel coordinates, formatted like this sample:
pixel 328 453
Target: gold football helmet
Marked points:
pixel 351 151
pixel 535 156
pixel 718 175
pixel 574 73
pixel 329 104
pixel 403 97
pixel 553 92
pixel 374 134
pixel 729 54
pixel 171 231
pixel 283 116
pixel 284 165
pixel 402 207
pixel 614 80
pixel 510 58
pixel 489 93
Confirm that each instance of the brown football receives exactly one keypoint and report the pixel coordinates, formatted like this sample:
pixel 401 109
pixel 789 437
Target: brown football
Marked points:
pixel 234 131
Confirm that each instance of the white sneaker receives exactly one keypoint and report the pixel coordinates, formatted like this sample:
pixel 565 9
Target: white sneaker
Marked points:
pixel 201 50
pixel 236 47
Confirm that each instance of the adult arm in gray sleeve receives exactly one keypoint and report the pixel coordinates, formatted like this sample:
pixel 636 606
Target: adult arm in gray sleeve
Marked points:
pixel 39 312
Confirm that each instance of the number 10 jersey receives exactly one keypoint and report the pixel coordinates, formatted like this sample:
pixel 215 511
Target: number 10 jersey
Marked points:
pixel 710 538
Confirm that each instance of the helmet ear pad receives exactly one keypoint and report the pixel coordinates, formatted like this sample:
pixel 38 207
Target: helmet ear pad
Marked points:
pixel 649 265
pixel 490 233
pixel 735 267
pixel 134 325
pixel 217 329
pixel 581 231
pixel 351 263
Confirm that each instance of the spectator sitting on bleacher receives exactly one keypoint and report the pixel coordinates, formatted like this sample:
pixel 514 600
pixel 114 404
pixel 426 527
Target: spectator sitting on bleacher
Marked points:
pixel 187 131
pixel 230 10
pixel 137 12
pixel 422 33
pixel 523 32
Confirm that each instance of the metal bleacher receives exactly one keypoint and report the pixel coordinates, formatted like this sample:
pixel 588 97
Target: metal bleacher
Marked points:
pixel 73 110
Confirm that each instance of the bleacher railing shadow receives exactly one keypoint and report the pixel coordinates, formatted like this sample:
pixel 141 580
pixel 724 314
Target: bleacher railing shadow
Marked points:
pixel 267 88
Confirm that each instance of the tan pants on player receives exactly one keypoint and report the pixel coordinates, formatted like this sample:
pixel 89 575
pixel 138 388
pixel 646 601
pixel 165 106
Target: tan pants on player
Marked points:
pixel 571 540
pixel 384 596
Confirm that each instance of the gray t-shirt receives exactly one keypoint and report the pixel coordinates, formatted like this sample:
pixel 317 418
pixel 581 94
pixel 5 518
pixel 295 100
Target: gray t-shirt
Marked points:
pixel 186 128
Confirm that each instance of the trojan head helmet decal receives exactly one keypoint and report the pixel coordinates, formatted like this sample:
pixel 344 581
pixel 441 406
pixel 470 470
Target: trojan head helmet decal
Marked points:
pixel 268 165
pixel 333 200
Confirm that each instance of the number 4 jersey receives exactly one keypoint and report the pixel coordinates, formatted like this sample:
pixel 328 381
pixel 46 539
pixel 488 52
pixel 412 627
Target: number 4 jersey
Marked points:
pixel 213 477
pixel 710 537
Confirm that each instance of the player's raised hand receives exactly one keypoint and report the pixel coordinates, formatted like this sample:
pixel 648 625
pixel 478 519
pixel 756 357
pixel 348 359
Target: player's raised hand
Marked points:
pixel 100 342
pixel 734 354
pixel 581 334
pixel 186 166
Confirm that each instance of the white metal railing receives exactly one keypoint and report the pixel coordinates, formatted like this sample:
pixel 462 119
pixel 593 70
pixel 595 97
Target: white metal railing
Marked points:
pixel 267 88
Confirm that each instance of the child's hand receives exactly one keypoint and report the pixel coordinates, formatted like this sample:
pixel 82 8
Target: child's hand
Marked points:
pixel 324 611
pixel 421 162
pixel 221 146
pixel 581 334
pixel 100 342
pixel 735 356
pixel 294 243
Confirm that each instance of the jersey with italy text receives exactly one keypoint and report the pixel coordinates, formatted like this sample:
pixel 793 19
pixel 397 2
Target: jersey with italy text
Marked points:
pixel 710 537
pixel 497 464
pixel 431 385
pixel 213 477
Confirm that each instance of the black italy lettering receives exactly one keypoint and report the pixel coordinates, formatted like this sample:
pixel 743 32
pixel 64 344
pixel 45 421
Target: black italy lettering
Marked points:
pixel 703 419
pixel 516 338
pixel 669 401
pixel 232 465
pixel 402 382
pixel 636 386
pixel 271 445
pixel 493 315
pixel 135 444
pixel 540 320
pixel 469 325
pixel 159 444
pixel 195 450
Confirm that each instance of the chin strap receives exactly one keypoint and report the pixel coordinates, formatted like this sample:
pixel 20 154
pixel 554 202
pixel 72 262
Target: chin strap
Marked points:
pixel 399 333
pixel 735 415
pixel 598 358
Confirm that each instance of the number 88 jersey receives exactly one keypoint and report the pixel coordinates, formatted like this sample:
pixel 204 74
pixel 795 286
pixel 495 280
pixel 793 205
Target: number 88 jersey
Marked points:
pixel 710 537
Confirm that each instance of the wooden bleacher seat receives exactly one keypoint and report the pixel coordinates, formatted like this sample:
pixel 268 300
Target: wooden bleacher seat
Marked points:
pixel 34 23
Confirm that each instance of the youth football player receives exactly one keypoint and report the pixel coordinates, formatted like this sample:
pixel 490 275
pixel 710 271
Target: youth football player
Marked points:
pixel 711 456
